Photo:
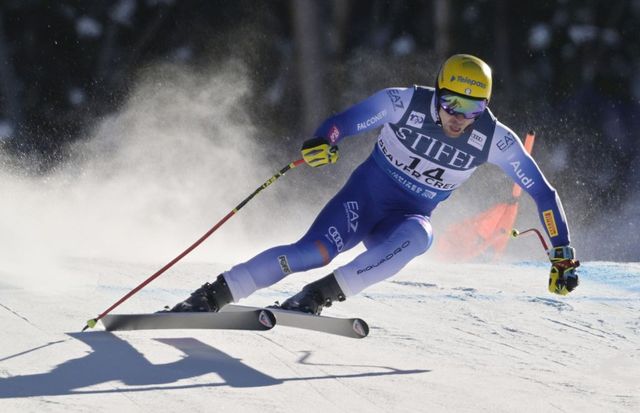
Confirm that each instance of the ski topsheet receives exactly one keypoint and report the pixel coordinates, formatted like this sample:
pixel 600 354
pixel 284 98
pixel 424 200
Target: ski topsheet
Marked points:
pixel 347 327
pixel 257 319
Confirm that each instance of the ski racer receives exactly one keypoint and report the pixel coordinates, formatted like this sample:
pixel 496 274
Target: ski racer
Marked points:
pixel 431 141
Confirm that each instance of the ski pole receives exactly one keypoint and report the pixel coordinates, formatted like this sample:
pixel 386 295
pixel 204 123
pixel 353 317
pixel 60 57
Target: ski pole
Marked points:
pixel 515 233
pixel 92 322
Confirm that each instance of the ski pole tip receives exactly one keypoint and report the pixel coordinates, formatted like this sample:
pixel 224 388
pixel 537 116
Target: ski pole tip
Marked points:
pixel 90 324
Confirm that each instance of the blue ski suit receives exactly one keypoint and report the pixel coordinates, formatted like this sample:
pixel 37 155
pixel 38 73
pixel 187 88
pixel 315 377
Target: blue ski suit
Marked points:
pixel 388 200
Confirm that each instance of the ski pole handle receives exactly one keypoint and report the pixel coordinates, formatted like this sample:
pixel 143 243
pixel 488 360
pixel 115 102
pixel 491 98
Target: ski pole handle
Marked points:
pixel 515 233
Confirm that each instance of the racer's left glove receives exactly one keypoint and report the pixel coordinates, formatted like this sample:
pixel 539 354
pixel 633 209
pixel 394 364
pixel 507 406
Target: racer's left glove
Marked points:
pixel 563 277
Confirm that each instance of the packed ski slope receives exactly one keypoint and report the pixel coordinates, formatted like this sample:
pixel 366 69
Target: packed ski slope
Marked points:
pixel 472 337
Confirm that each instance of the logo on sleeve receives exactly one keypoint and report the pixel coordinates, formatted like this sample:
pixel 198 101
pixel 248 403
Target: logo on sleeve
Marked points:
pixel 506 142
pixel 372 120
pixel 284 264
pixel 396 99
pixel 334 237
pixel 351 209
pixel 416 119
pixel 550 222
pixel 334 134
pixel 477 139
pixel 524 179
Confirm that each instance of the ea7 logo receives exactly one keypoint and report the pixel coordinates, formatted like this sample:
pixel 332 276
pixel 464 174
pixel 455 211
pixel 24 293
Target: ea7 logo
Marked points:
pixel 416 119
pixel 351 210
pixel 506 142
pixel 396 100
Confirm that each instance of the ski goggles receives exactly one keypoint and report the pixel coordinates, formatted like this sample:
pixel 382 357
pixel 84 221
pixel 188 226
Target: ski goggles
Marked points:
pixel 458 105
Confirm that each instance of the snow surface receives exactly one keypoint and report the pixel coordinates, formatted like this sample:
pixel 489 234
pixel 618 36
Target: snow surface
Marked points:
pixel 472 337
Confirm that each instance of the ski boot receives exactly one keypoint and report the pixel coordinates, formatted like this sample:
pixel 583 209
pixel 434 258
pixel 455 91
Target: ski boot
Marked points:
pixel 211 297
pixel 315 296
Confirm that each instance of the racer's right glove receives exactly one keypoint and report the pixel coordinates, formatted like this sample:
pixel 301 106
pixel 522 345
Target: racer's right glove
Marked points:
pixel 318 152
pixel 563 277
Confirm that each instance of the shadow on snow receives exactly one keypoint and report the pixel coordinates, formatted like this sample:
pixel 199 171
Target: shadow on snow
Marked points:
pixel 114 359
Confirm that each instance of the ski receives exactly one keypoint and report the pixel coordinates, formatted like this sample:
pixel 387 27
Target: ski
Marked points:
pixel 347 327
pixel 257 319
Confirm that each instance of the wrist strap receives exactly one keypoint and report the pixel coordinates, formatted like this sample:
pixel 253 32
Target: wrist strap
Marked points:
pixel 561 253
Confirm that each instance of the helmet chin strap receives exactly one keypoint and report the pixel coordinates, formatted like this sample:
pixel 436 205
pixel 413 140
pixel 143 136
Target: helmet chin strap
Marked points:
pixel 437 104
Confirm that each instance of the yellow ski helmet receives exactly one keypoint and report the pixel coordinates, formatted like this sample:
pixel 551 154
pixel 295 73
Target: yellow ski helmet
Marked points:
pixel 465 75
